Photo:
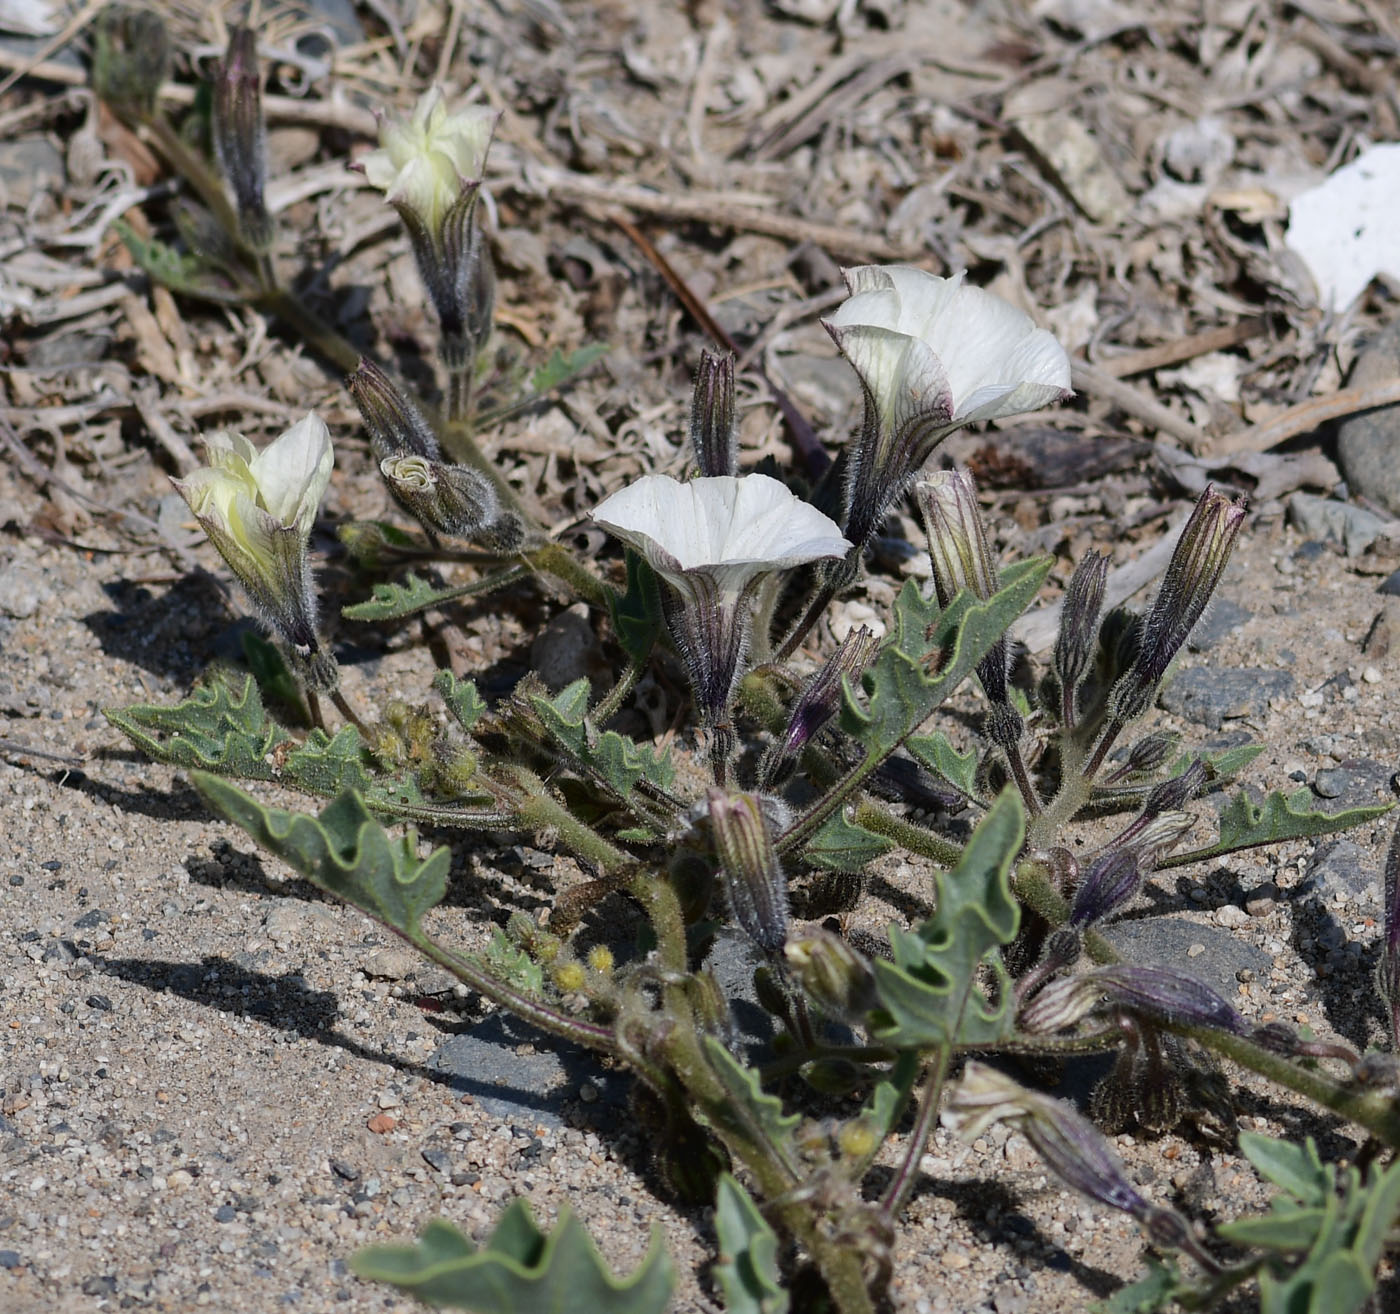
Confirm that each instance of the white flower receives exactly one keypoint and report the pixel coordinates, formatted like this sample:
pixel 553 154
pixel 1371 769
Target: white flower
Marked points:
pixel 932 355
pixel 711 540
pixel 424 163
pixel 258 508
pixel 716 536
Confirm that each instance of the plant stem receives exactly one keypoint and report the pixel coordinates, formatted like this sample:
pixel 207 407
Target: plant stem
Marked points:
pixel 810 617
pixel 541 811
pixel 1022 777
pixel 612 700
pixel 897 1193
pixel 555 559
pixel 349 713
pixel 318 335
pixel 881 821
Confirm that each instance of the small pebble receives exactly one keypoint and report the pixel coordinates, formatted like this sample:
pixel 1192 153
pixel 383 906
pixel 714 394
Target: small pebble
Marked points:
pixel 1231 917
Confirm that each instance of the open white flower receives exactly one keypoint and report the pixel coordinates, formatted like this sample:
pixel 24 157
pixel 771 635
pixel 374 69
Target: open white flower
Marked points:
pixel 258 506
pixel 932 354
pixel 711 540
pixel 429 168
pixel 713 537
pixel 424 162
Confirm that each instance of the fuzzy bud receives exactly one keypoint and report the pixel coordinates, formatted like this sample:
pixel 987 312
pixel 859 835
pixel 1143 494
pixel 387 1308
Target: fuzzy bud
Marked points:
pixel 834 975
pixel 240 136
pixel 1110 882
pixel 1201 555
pixel 452 499
pixel 1079 628
pixel 131 58
pixel 713 435
pixel 390 416
pixel 819 701
pixel 1145 756
pixel 1388 969
pixel 753 876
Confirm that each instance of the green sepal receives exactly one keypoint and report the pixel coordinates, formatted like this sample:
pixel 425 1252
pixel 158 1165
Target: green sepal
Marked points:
pixel 520 1270
pixel 1245 824
pixel 344 851
pixel 413 594
pixel 939 756
pixel 747 1269
pixel 462 699
pixel 607 757
pixel 222 727
pixel 929 994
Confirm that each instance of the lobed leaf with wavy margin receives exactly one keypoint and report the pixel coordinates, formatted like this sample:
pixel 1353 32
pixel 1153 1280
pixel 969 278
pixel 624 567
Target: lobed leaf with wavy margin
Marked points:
pixel 747 1270
pixel 344 851
pixel 1245 824
pixel 413 594
pixel 222 727
pixel 520 1270
pixel 462 699
pixel 613 760
pixel 929 994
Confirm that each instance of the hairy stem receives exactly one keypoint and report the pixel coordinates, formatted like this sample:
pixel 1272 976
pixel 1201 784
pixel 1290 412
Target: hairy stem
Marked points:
pixel 903 1181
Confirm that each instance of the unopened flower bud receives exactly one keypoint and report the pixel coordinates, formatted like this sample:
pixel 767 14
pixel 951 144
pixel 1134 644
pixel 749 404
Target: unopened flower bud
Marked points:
pixel 1202 553
pixel 1110 882
pixel 833 973
pixel 1145 756
pixel 1388 968
pixel 714 437
pixel 240 136
pixel 753 876
pixel 452 499
pixel 1079 628
pixel 390 416
pixel 820 700
pixel 132 57
pixel 1163 994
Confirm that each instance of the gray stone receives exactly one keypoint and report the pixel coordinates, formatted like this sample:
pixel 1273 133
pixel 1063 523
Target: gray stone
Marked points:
pixel 1352 528
pixel 519 1074
pixel 1210 696
pixel 28 165
pixel 1355 782
pixel 392 964
pixel 567 649
pixel 23 590
pixel 1169 941
pixel 1223 618
pixel 1339 867
pixel 1368 444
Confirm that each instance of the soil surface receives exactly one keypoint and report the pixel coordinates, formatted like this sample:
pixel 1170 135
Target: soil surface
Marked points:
pixel 215 1084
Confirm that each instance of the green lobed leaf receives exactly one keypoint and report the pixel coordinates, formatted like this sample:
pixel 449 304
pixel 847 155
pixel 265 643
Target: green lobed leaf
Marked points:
pixel 1245 824
pixel 222 727
pixel 413 594
pixel 563 366
pixel 747 1270
pixel 842 845
pixel 1281 1229
pixel 327 766
pixel 520 1270
pixel 344 851
pixel 930 652
pixel 929 994
pixel 1296 1169
pixel 510 963
pixel 751 1103
pixel 939 756
pixel 461 697
pixel 180 271
pixel 613 760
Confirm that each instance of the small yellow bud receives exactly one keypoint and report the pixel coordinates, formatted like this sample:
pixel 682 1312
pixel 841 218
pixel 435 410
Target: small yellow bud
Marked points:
pixel 857 1139
pixel 546 948
pixel 600 959
pixel 569 976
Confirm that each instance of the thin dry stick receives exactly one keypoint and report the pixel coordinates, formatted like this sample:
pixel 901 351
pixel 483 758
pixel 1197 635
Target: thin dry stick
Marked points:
pixel 1183 349
pixel 564 185
pixel 1098 383
pixel 1306 416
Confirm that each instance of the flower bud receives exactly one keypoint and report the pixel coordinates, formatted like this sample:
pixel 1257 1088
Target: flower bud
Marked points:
pixel 452 499
pixel 1388 968
pixel 1110 882
pixel 1163 994
pixel 240 136
pixel 132 57
pixel 753 876
pixel 820 700
pixel 1079 628
pixel 714 436
pixel 1201 555
pixel 833 973
pixel 1145 756
pixel 390 416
